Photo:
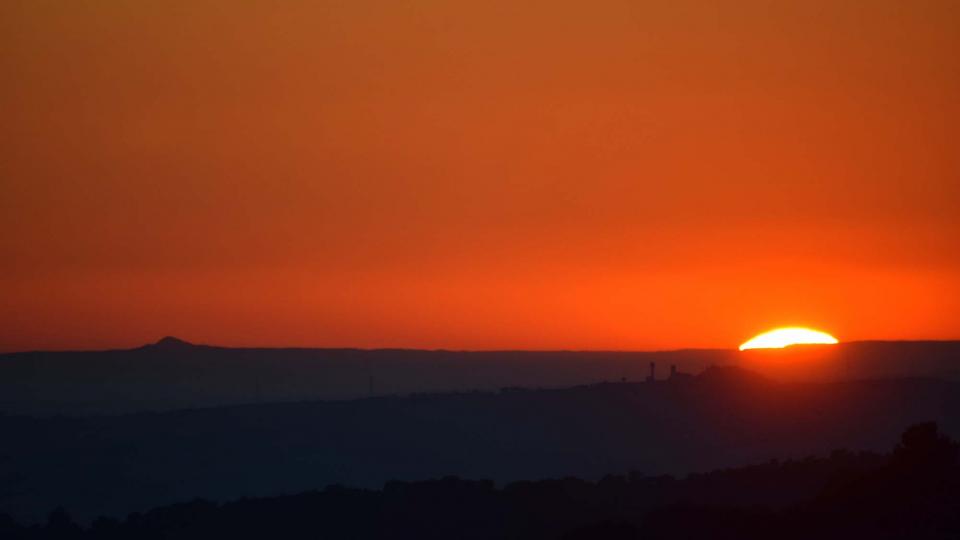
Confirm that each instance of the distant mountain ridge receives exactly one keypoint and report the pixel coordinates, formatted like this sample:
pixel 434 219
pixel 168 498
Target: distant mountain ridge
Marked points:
pixel 173 373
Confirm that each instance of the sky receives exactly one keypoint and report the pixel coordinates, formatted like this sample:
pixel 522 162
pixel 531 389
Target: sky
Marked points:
pixel 479 174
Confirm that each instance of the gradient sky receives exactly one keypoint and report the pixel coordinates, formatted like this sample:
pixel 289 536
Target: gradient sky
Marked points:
pixel 477 174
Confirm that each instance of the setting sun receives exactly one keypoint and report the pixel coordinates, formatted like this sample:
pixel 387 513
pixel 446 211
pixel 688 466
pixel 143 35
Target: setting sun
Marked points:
pixel 784 337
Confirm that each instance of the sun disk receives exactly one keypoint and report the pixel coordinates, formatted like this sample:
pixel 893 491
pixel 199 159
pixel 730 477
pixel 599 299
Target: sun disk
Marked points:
pixel 784 337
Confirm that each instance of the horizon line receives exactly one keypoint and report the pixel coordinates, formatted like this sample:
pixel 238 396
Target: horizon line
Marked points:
pixel 184 343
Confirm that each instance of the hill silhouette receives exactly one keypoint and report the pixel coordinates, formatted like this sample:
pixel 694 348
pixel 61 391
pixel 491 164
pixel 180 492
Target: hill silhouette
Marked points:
pixel 911 492
pixel 170 343
pixel 113 465
pixel 174 374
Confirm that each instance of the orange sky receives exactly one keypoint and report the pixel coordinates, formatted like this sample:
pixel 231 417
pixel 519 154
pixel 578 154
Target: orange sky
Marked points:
pixel 476 174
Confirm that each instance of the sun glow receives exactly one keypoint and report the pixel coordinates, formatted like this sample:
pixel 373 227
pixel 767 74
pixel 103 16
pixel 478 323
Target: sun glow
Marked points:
pixel 784 337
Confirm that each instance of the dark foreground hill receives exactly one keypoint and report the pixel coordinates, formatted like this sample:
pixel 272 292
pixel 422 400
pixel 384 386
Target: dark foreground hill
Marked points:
pixel 724 417
pixel 913 492
pixel 172 374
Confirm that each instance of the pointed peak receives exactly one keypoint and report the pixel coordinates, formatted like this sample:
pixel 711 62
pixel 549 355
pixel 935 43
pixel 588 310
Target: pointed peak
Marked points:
pixel 169 342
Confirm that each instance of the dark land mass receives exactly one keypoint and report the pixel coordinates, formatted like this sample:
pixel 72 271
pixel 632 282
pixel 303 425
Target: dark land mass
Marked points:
pixel 172 374
pixel 723 417
pixel 912 492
